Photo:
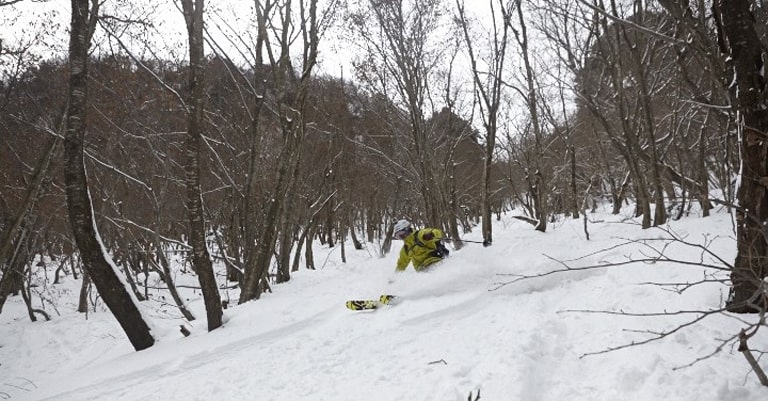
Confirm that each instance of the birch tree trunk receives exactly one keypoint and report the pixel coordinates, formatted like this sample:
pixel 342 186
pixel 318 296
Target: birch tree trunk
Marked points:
pixel 97 264
pixel 201 259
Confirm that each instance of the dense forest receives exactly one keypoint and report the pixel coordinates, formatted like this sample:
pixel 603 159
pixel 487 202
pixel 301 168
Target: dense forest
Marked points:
pixel 237 151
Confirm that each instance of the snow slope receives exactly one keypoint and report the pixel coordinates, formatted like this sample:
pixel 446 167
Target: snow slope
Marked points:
pixel 456 330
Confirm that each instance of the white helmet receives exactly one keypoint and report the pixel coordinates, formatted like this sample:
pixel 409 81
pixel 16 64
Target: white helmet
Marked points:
pixel 402 225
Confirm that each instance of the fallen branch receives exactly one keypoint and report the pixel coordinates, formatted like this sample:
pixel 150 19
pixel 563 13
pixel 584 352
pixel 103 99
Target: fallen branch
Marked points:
pixel 528 220
pixel 656 255
pixel 654 251
pixel 744 349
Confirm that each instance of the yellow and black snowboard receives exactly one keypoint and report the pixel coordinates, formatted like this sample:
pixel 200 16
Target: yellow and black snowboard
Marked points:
pixel 370 304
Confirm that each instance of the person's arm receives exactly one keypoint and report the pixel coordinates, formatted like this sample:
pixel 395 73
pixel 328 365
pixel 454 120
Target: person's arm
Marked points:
pixel 429 234
pixel 403 260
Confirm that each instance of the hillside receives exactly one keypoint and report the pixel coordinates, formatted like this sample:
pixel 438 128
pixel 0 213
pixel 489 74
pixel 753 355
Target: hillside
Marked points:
pixel 457 329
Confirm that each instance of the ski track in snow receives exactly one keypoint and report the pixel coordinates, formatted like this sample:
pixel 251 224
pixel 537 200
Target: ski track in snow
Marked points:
pixel 450 333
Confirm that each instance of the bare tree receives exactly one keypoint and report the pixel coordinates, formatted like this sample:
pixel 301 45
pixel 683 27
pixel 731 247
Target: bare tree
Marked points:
pixel 97 263
pixel 402 52
pixel 201 259
pixel 292 88
pixel 639 57
pixel 488 85
pixel 9 235
pixel 603 93
pixel 537 182
pixel 707 89
pixel 747 52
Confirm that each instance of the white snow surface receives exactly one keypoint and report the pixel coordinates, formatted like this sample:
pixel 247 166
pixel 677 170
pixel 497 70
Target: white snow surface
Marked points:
pixel 454 331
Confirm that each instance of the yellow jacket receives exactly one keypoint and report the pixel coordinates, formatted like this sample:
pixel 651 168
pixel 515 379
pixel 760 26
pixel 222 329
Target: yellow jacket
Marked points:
pixel 422 248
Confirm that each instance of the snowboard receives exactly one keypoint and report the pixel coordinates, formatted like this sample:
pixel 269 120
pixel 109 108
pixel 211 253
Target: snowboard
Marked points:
pixel 370 304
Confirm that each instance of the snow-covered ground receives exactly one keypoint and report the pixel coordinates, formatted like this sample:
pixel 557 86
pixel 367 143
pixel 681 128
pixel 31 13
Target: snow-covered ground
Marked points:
pixel 455 330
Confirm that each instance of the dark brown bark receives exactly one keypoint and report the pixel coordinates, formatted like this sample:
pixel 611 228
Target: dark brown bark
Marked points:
pixel 284 252
pixel 353 232
pixel 96 262
pixel 308 254
pixel 82 305
pixel 746 53
pixel 371 225
pixel 702 190
pixel 201 259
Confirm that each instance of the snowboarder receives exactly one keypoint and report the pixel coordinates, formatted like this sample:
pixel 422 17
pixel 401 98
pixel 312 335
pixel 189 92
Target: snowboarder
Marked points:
pixel 422 247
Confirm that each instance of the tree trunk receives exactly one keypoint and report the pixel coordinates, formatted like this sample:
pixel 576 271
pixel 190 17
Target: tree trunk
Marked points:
pixel 702 190
pixel 487 224
pixel 371 225
pixel 619 197
pixel 456 212
pixel 489 92
pixel 252 208
pixel 573 175
pixel 748 294
pixel 166 269
pixel 96 262
pixel 12 281
pixel 309 256
pixel 330 222
pixel 284 251
pixel 291 99
pixel 536 178
pixel 201 259
pixel 352 231
pixel 297 252
pixel 8 235
pixel 82 305
pixel 131 282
